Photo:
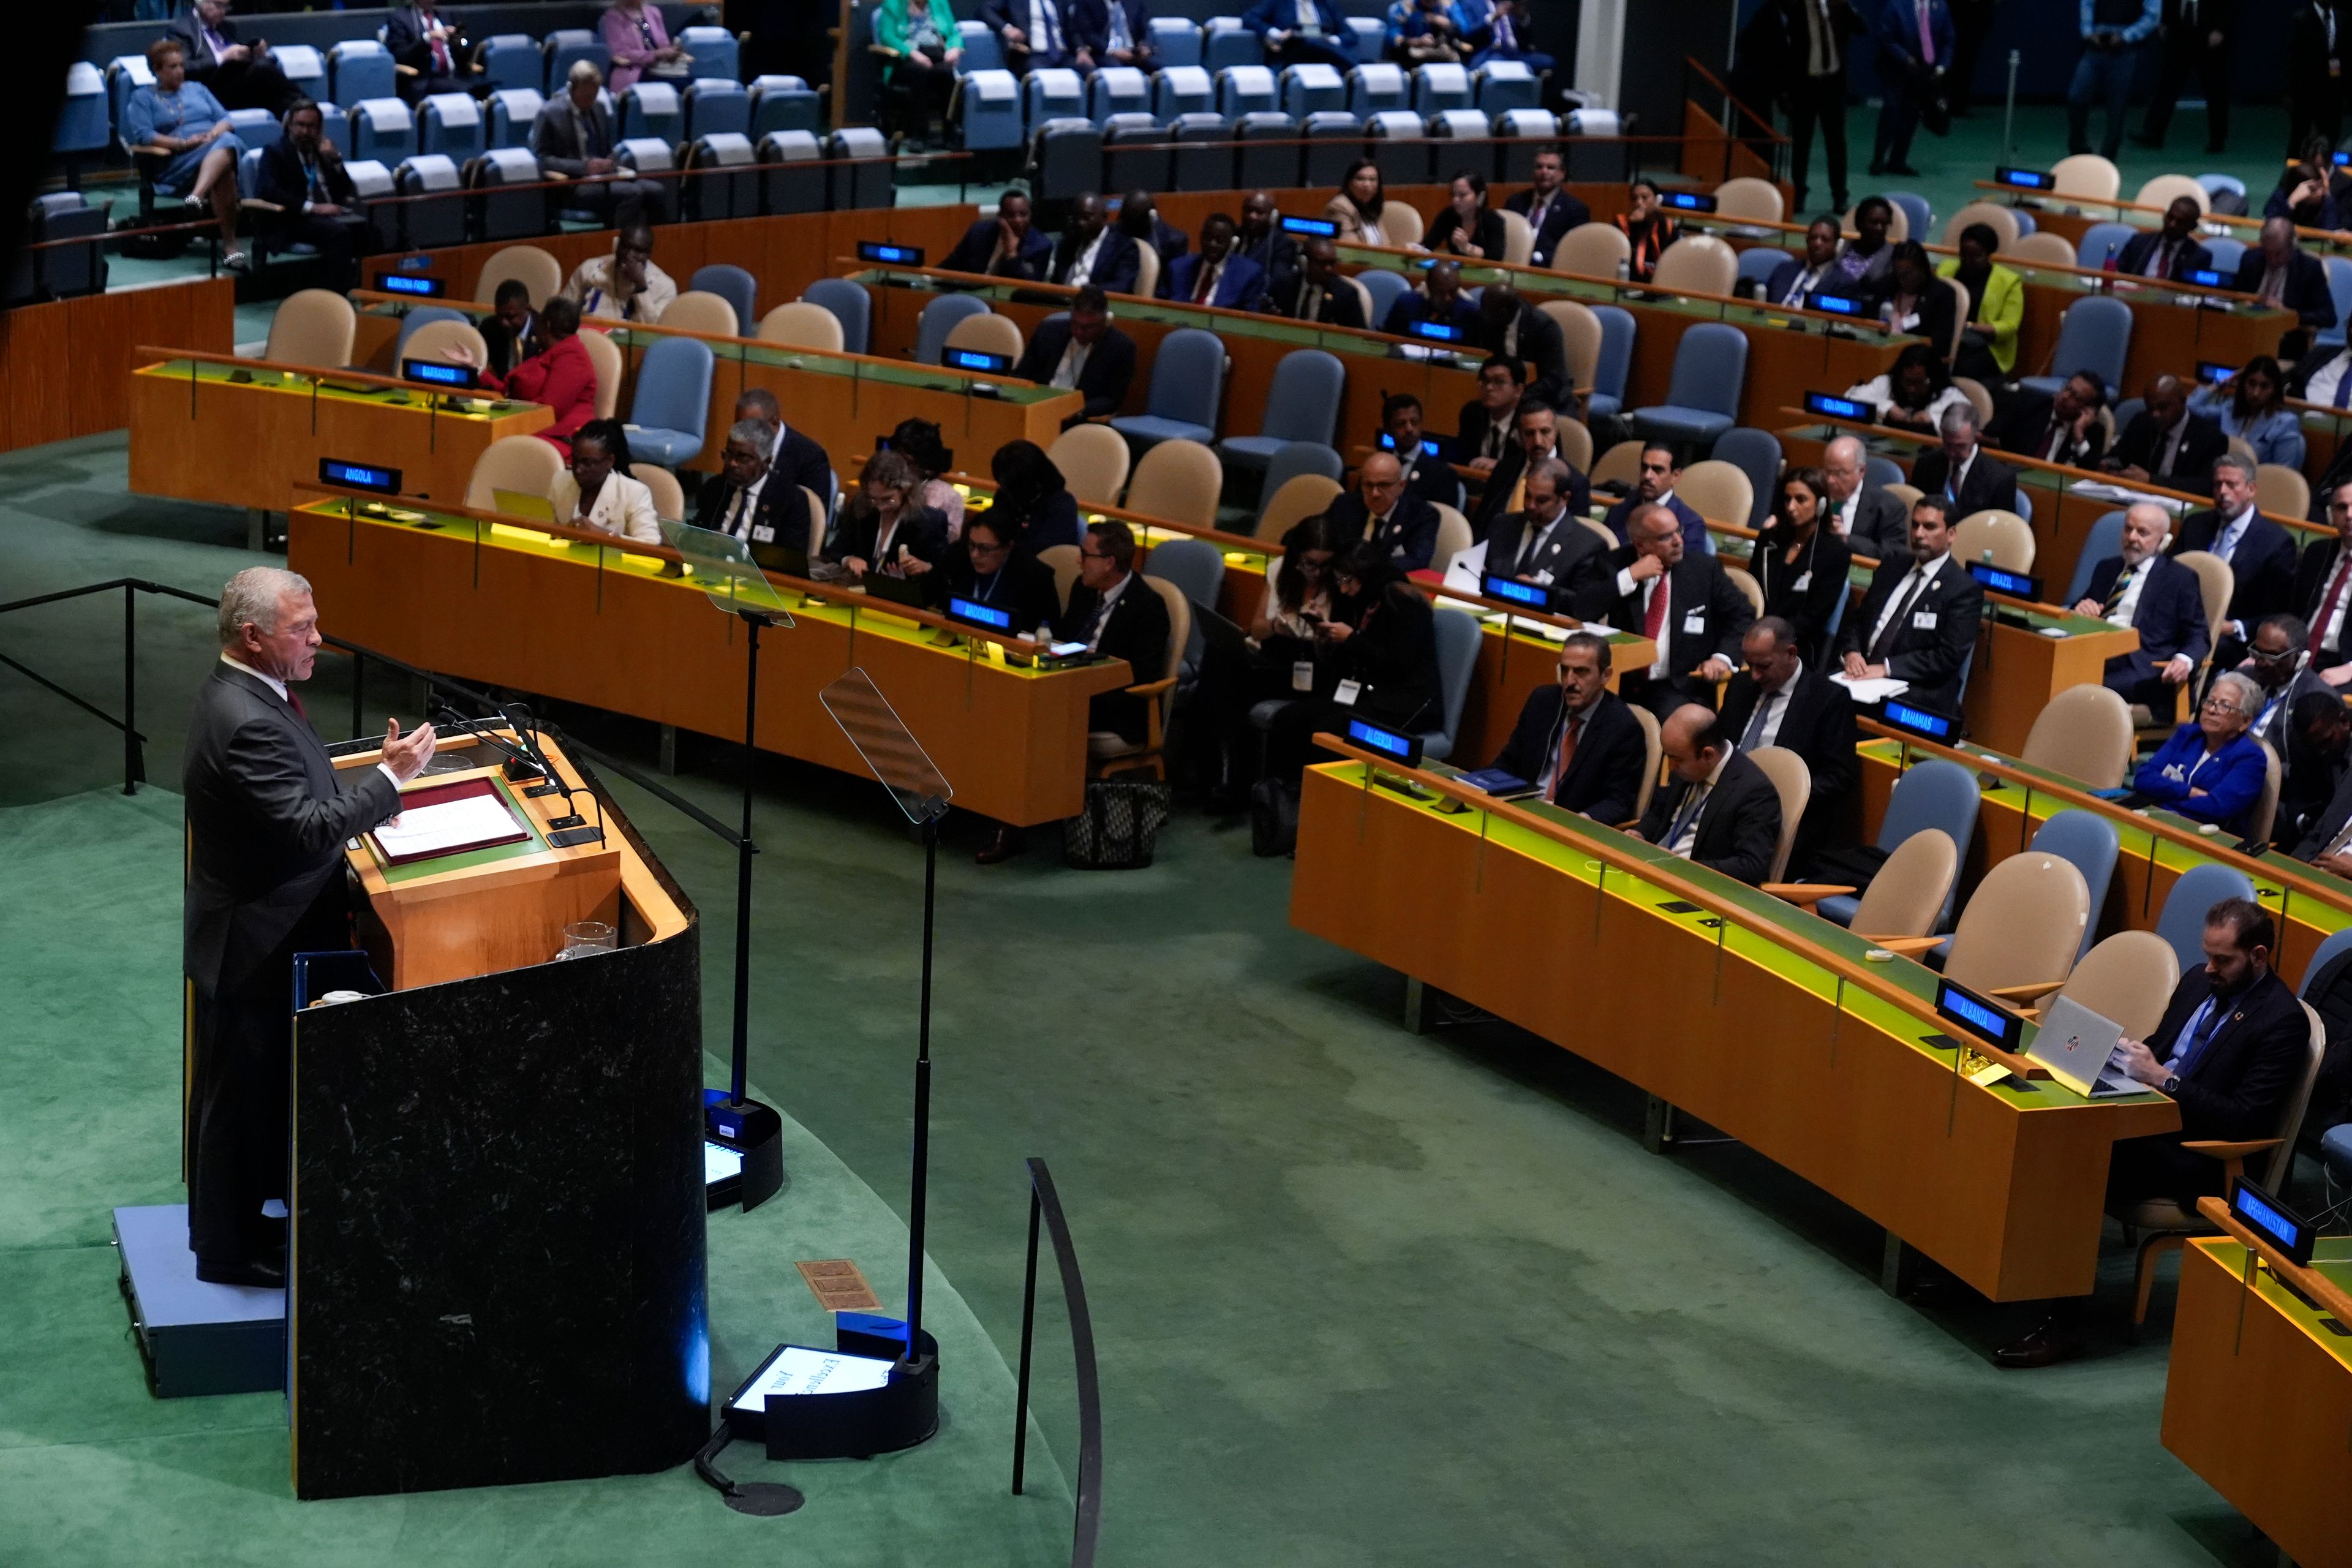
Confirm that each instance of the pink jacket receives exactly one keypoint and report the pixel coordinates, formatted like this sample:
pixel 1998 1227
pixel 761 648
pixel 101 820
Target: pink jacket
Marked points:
pixel 630 54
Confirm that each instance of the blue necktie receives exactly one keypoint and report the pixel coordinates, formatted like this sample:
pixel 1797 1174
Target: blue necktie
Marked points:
pixel 1683 818
pixel 2201 1034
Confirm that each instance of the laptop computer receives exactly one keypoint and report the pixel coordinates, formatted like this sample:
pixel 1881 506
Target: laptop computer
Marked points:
pixel 896 590
pixel 523 503
pixel 2078 1046
pixel 774 555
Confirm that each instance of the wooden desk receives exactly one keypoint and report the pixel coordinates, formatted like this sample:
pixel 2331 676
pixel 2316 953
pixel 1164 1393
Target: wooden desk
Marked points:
pixel 1507 908
pixel 2258 1395
pixel 2154 851
pixel 197 435
pixel 597 624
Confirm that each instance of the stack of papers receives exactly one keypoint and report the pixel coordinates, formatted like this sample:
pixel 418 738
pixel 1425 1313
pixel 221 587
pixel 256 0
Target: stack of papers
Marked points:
pixel 2124 495
pixel 449 824
pixel 1870 693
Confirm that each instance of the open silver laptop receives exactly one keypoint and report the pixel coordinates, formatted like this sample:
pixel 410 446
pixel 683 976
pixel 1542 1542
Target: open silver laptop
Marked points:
pixel 2078 1046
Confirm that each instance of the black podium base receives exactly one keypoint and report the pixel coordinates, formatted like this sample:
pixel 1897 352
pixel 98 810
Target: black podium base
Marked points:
pixel 863 1398
pixel 756 1134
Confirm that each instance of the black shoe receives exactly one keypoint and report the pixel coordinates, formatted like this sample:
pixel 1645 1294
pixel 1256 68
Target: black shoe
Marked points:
pixel 1007 843
pixel 1905 170
pixel 1876 168
pixel 2051 1342
pixel 1839 204
pixel 261 1273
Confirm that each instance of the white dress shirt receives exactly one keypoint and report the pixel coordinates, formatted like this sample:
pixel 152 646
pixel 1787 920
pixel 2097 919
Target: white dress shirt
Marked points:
pixel 2324 381
pixel 1082 265
pixel 2128 605
pixel 1773 708
pixel 1902 599
pixel 278 687
pixel 1074 364
pixel 743 508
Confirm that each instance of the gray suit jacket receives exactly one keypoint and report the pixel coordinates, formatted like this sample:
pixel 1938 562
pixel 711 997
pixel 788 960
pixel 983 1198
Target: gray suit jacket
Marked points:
pixel 267 816
pixel 556 146
pixel 1882 525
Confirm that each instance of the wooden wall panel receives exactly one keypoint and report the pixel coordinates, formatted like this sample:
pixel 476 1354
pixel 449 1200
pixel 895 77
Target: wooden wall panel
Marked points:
pixel 67 366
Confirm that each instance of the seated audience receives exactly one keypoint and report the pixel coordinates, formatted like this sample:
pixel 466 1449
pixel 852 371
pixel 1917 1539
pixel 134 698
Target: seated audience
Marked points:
pixel 1861 266
pixel 1801 564
pixel 983 566
pixel 1717 808
pixel 303 174
pixel 918 441
pixel 2170 252
pixel 2212 770
pixel 1492 30
pixel 796 458
pixel 1970 478
pixel 1091 251
pixel 1872 523
pixel 1486 426
pixel 1032 507
pixel 573 139
pixel 596 491
pixel 1382 512
pixel 1655 486
pixel 1118 615
pixel 883 529
pixel 1797 280
pixel 184 119
pixel 2319 376
pixel 1139 220
pixel 1420 32
pixel 2063 427
pixel 2258 551
pixel 1467 226
pixel 1918 621
pixel 640 46
pixel 1577 741
pixel 1302 32
pixel 2313 193
pixel 1550 208
pixel 1082 352
pixel 1439 300
pixel 1912 301
pixel 1427 476
pixel 1547 547
pixel 748 499
pixel 1005 246
pixel 2281 273
pixel 1113 32
pixel 236 74
pixel 438 55
pixel 2148 591
pixel 1648 228
pixel 1035 33
pixel 920 74
pixel 507 327
pixel 2323 588
pixel 1359 206
pixel 1260 241
pixel 1215 275
pixel 556 372
pixel 2166 443
pixel 1303 595
pixel 1509 326
pixel 1317 293
pixel 2280 668
pixel 1380 640
pixel 2251 406
pixel 2315 806
pixel 1914 394
pixel 1538 438
pixel 624 286
pixel 1680 600
pixel 1782 699
pixel 1987 352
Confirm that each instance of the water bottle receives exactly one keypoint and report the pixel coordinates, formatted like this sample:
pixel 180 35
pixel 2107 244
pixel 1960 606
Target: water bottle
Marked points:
pixel 1625 270
pixel 2109 264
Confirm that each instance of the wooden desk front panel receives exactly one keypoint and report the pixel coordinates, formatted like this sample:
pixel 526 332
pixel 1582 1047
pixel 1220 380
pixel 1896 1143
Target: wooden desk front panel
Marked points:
pixel 69 362
pixel 2018 672
pixel 2006 1197
pixel 1013 745
pixel 2255 1403
pixel 249 445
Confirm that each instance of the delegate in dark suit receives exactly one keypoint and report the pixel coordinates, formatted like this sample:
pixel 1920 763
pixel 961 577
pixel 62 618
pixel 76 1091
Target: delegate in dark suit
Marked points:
pixel 2305 291
pixel 2328 824
pixel 1136 632
pixel 1039 48
pixel 1988 484
pixel 288 183
pixel 2170 620
pixel 1536 339
pixel 406 40
pixel 1409 530
pixel 1503 482
pixel 2030 427
pixel 976 252
pixel 1818 725
pixel 1706 614
pixel 1805 592
pixel 267 814
pixel 1928 641
pixel 2188 47
pixel 1562 213
pixel 2188 256
pixel 1116 264
pixel 1739 821
pixel 1431 479
pixel 2234 1088
pixel 1090 30
pixel 778 514
pixel 1621 517
pixel 2262 562
pixel 564 138
pixel 1340 306
pixel 2143 444
pixel 253 83
pixel 1412 305
pixel 922 531
pixel 1022 586
pixel 1603 778
pixel 2314 576
pixel 1879 526
pixel 1107 373
pixel 1570 561
pixel 1240 285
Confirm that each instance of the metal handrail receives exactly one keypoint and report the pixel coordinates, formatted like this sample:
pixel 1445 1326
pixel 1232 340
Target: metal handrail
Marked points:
pixel 1045 1203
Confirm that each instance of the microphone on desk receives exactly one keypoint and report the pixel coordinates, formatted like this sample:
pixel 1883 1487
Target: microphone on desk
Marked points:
pixel 522 764
pixel 570 828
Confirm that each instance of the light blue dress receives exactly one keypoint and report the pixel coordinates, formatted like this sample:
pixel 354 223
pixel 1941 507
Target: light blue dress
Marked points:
pixel 191 111
pixel 2276 437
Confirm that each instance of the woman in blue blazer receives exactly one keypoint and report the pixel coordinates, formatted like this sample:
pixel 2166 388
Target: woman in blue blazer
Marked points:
pixel 2212 770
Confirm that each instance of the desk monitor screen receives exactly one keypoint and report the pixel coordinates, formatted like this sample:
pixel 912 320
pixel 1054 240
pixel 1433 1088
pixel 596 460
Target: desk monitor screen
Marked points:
pixel 1837 304
pixel 1924 722
pixel 1429 445
pixel 1312 227
pixel 2205 277
pixel 890 255
pixel 974 613
pixel 1686 201
pixel 437 373
pixel 359 476
pixel 2342 159
pixel 2016 584
pixel 2271 1220
pixel 1511 591
pixel 1393 744
pixel 974 359
pixel 1439 331
pixel 2025 179
pixel 1978 1016
pixel 1839 407
pixel 410 283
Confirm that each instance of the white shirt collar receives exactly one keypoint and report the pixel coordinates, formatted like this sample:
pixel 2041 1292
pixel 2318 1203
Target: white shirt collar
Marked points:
pixel 271 681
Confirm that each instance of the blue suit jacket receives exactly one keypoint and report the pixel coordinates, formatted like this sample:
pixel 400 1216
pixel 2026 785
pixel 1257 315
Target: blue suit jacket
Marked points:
pixel 979 243
pixel 1621 518
pixel 2232 780
pixel 1897 31
pixel 1282 16
pixel 2170 616
pixel 1414 306
pixel 1240 286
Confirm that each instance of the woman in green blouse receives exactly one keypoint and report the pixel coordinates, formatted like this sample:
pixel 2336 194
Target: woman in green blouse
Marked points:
pixel 922 48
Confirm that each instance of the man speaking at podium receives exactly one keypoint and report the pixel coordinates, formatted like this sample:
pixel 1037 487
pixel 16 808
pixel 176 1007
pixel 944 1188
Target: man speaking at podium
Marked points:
pixel 267 817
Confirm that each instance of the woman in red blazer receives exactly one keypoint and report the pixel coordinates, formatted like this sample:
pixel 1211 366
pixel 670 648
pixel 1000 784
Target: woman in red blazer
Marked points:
pixel 558 372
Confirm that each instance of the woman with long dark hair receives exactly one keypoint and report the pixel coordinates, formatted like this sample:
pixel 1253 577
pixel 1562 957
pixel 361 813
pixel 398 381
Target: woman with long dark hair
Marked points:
pixel 1467 226
pixel 1357 209
pixel 918 441
pixel 1033 506
pixel 1380 644
pixel 2251 406
pixel 1800 565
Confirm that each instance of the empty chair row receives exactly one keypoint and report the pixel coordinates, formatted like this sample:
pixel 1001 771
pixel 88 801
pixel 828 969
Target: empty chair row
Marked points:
pixel 1209 150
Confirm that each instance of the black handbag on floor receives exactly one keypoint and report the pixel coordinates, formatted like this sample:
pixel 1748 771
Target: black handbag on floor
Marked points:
pixel 1118 828
pixel 1274 817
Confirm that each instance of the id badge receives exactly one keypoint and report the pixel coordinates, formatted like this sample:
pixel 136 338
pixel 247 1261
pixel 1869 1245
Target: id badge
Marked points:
pixel 762 534
pixel 1695 624
pixel 1346 695
pixel 1804 580
pixel 1302 675
pixel 1923 621
pixel 2335 67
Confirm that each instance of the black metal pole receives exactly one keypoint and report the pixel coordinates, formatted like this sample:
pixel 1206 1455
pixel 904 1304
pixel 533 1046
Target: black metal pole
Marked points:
pixel 1028 1324
pixel 916 1199
pixel 739 1073
pixel 132 767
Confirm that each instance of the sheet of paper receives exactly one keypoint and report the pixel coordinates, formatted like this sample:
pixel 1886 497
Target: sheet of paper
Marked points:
pixel 1868 692
pixel 801 1371
pixel 2124 495
pixel 433 829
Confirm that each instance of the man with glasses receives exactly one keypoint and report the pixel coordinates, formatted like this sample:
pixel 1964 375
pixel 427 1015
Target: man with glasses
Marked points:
pixel 2323 590
pixel 1684 603
pixel 2155 595
pixel 1546 548
pixel 2258 551
pixel 1779 700
pixel 1488 419
pixel 1718 810
pixel 1538 438
pixel 1383 512
pixel 1871 522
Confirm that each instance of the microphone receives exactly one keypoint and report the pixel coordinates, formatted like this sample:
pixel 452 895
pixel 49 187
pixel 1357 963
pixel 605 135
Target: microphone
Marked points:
pixel 520 766
pixel 571 828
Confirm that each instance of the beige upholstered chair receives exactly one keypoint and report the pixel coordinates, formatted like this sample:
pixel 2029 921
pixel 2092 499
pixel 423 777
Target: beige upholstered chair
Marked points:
pixel 1908 494
pixel 2018 935
pixel 534 268
pixel 1959 293
pixel 1363 298
pixel 313 327
pixel 435 339
pixel 2088 175
pixel 1793 781
pixel 1094 460
pixel 987 333
pixel 1749 588
pixel 1979 399
pixel 1179 481
pixel 612 369
pixel 816 521
pixel 2128 978
pixel 800 325
pixel 1108 752
pixel 1579 336
pixel 1716 490
pixel 700 311
pixel 2241 447
pixel 2165 189
pixel 1903 900
pixel 524 464
pixel 1698 264
pixel 1600 532
pixel 1653 748
pixel 2003 221
pixel 1620 466
pixel 1301 497
pixel 1748 196
pixel 2215 581
pixel 1062 560
pixel 2008 536
pixel 1575 443
pixel 2085 732
pixel 1401 224
pixel 1592 250
pixel 1454 536
pixel 2264 813
pixel 1518 239
pixel 2042 247
pixel 669 500
pixel 1147 274
pixel 2281 491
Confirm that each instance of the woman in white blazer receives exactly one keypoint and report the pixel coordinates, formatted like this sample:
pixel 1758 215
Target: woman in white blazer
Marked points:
pixel 598 492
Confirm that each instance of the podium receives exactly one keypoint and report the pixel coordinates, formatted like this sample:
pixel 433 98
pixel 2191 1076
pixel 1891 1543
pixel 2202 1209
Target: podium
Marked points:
pixel 495 1268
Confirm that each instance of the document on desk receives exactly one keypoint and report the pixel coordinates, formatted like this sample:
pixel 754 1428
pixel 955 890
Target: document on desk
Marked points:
pixel 1870 693
pixel 2124 495
pixel 466 823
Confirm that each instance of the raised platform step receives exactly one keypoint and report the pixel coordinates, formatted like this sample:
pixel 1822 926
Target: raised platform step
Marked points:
pixel 195 1337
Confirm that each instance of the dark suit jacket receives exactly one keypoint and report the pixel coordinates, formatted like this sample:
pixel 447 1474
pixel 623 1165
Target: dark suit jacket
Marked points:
pixel 1604 778
pixel 1138 633
pixel 1275 254
pixel 2141 445
pixel 1486 234
pixel 2191 256
pixel 1108 372
pixel 1412 305
pixel 1240 287
pixel 1738 827
pixel 1471 432
pixel 2250 1066
pixel 2314 804
pixel 2328 825
pixel 1566 212
pixel 1341 306
pixel 1785 277
pixel 1089 23
pixel 555 146
pixel 778 517
pixel 1411 534
pixel 1928 658
pixel 2312 570
pixel 1700 587
pixel 972 253
pixel 404 40
pixel 189 34
pixel 1882 525
pixel 1540 344
pixel 2262 563
pixel 2170 616
pixel 2306 293
pixel 2027 427
pixel 1990 483
pixel 506 348
pixel 922 529
pixel 1116 264
pixel 1804 593
pixel 1024 587
pixel 1504 478
pixel 1431 479
pixel 267 816
pixel 1819 727
pixel 1573 556
pixel 1266 16
pixel 998 15
pixel 281 179
pixel 1621 519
